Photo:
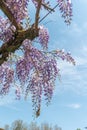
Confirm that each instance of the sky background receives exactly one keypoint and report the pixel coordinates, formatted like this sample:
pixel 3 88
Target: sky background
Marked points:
pixel 68 108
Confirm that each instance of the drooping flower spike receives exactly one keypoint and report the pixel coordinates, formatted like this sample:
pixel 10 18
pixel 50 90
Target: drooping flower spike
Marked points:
pixel 65 7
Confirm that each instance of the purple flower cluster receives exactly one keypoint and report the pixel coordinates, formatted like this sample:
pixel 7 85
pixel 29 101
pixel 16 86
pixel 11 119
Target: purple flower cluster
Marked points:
pixel 42 80
pixel 21 70
pixel 65 7
pixel 36 69
pixel 43 37
pixel 41 70
pixel 35 88
pixel 6 29
pixel 18 8
pixel 43 74
pixel 49 73
pixel 6 78
pixel 30 60
pixel 64 56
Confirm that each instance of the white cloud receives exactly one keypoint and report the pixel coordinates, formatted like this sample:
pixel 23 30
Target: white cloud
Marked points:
pixel 85 48
pixel 74 106
pixel 9 102
pixel 76 29
pixel 74 78
pixel 12 107
pixel 6 100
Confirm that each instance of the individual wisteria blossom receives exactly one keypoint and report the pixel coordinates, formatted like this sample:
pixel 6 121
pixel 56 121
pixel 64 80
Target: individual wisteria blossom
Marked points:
pixel 43 37
pixel 6 78
pixel 18 8
pixel 6 29
pixel 65 7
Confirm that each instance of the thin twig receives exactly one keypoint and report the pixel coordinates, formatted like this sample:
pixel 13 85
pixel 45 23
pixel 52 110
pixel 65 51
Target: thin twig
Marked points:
pixel 48 13
pixel 37 14
pixel 47 7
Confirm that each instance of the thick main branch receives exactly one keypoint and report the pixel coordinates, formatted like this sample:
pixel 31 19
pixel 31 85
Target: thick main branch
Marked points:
pixel 13 44
pixel 20 35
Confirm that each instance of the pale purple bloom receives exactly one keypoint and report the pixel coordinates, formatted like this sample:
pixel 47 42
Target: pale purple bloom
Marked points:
pixel 64 56
pixel 43 36
pixel 22 69
pixel 6 78
pixel 6 29
pixel 65 7
pixel 42 77
pixel 18 8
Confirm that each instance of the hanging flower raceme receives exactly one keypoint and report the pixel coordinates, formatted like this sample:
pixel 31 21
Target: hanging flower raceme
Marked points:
pixel 42 69
pixel 35 88
pixel 6 78
pixel 64 56
pixel 6 29
pixel 49 73
pixel 18 8
pixel 21 70
pixel 43 37
pixel 43 82
pixel 65 7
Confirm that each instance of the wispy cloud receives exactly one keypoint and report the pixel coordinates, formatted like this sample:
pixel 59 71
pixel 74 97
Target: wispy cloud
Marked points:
pixel 4 101
pixel 9 102
pixel 74 78
pixel 7 99
pixel 75 29
pixel 74 106
pixel 12 107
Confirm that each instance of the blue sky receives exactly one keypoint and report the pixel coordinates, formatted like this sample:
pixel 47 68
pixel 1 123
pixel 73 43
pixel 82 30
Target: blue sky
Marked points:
pixel 68 108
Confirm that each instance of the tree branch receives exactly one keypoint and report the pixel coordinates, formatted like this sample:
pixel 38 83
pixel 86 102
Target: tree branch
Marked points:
pixel 37 13
pixel 13 44
pixel 48 13
pixel 8 13
pixel 47 7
